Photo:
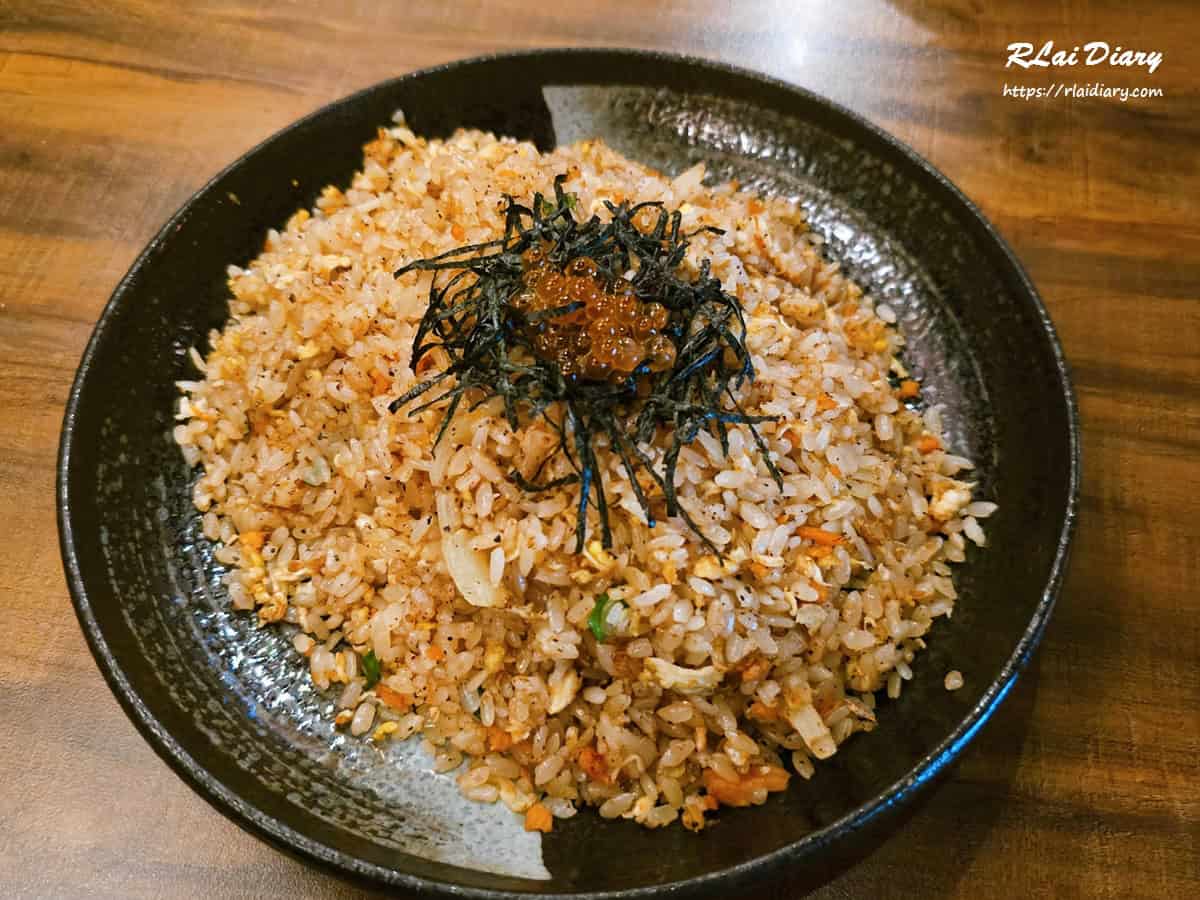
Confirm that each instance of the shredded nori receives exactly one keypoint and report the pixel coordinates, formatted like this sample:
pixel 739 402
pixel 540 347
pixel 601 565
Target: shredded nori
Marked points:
pixel 486 339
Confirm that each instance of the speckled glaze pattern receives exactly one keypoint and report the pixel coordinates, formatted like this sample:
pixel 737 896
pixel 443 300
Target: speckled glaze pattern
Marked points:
pixel 230 706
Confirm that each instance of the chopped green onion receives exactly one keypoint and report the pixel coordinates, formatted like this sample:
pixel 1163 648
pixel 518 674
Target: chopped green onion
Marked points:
pixel 598 618
pixel 371 668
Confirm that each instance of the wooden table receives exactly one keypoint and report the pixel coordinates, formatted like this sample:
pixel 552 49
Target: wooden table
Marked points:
pixel 1087 784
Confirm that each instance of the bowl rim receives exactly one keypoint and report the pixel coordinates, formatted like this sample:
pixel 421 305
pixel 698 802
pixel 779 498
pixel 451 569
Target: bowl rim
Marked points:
pixel 282 836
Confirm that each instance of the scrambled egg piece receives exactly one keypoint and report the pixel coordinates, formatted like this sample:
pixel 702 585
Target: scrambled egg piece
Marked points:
pixel 947 504
pixel 685 681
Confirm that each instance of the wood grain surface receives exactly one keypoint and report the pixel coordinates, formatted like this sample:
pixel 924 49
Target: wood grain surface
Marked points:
pixel 1087 784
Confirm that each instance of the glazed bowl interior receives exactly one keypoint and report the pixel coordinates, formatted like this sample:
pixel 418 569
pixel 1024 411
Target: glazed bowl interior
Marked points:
pixel 230 706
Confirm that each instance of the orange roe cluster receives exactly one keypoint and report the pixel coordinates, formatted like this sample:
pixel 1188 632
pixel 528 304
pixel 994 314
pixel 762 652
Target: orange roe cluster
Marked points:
pixel 608 337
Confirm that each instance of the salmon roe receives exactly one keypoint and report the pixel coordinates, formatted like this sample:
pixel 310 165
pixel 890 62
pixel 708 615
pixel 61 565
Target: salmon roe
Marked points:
pixel 608 337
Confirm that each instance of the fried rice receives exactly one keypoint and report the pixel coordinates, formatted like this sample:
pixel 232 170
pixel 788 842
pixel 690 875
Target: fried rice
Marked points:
pixel 439 601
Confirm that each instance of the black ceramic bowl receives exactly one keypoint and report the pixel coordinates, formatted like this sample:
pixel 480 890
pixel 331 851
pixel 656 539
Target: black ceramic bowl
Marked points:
pixel 229 707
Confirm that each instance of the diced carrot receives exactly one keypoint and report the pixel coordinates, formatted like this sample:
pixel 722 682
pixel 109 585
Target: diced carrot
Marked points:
pixel 755 669
pixel 820 551
pixel 727 792
pixel 773 778
pixel 819 536
pixel 458 233
pixel 740 792
pixel 909 389
pixel 837 473
pixel 825 403
pixel 499 739
pixel 434 652
pixel 538 818
pixel 927 443
pixel 396 700
pixel 433 359
pixel 593 764
pixel 381 382
pixel 253 539
pixel 763 713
